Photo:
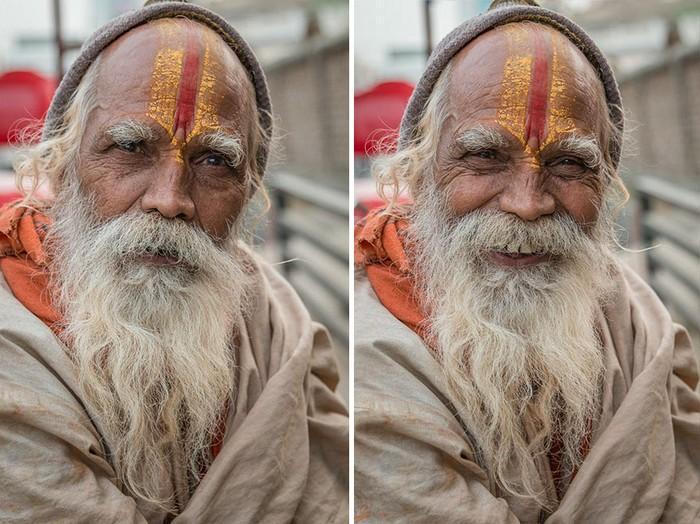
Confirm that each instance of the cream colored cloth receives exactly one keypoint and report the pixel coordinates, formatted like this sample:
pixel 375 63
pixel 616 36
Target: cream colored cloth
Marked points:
pixel 284 456
pixel 414 461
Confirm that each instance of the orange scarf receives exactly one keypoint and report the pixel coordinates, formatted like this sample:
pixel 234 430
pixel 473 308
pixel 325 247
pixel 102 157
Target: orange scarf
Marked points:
pixel 380 247
pixel 23 260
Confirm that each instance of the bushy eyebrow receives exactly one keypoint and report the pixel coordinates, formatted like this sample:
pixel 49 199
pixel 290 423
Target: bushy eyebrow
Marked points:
pixel 130 131
pixel 584 147
pixel 227 144
pixel 481 138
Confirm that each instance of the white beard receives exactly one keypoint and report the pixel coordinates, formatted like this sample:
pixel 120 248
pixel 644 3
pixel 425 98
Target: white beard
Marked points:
pixel 518 346
pixel 153 345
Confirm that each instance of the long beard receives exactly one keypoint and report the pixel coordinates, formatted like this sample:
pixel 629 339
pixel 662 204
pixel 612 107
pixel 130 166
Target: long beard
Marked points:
pixel 152 344
pixel 518 346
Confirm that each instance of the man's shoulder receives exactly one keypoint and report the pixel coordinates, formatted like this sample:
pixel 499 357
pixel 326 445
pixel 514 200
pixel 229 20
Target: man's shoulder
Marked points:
pixel 396 374
pixel 635 321
pixel 274 307
pixel 271 289
pixel 407 431
pixel 37 381
pixel 383 342
pixel 29 349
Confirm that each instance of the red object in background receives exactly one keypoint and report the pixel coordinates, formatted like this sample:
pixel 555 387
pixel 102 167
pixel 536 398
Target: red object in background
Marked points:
pixel 25 97
pixel 378 113
pixel 9 197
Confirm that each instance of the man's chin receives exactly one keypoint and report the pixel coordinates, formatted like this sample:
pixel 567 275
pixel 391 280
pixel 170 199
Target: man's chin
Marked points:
pixel 164 274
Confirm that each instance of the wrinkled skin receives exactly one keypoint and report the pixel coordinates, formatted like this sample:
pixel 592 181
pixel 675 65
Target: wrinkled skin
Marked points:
pixel 175 175
pixel 531 176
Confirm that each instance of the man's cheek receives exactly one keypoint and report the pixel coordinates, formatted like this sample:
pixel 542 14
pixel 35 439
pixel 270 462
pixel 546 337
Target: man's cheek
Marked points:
pixel 114 185
pixel 467 192
pixel 580 201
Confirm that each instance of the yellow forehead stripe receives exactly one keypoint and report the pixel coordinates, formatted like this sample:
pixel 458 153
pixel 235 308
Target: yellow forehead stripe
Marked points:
pixel 559 120
pixel 517 73
pixel 517 83
pixel 167 72
pixel 512 111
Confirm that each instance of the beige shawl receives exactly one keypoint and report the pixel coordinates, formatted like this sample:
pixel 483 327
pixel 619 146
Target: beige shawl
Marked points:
pixel 284 456
pixel 414 462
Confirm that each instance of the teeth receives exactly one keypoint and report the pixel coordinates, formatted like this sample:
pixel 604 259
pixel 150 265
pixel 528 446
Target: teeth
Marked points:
pixel 525 248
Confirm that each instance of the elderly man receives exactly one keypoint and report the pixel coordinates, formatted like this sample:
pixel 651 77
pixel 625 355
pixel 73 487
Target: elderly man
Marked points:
pixel 153 367
pixel 508 367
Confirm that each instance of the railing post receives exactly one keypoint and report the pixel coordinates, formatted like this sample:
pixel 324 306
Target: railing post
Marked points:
pixel 281 230
pixel 647 234
pixel 293 198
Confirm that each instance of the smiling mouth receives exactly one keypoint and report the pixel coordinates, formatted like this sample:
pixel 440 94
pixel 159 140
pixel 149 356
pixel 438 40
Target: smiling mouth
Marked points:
pixel 518 255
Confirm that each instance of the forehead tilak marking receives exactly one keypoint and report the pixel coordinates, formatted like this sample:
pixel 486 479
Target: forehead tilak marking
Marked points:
pixel 182 89
pixel 206 117
pixel 534 102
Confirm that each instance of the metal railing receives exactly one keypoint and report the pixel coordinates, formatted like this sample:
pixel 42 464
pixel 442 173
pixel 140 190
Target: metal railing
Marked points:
pixel 670 218
pixel 311 225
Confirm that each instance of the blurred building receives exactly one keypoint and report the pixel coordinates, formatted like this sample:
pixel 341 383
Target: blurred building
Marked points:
pixel 655 49
pixel 390 36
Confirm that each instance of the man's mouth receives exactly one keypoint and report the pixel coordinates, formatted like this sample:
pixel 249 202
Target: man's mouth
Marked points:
pixel 159 258
pixel 518 255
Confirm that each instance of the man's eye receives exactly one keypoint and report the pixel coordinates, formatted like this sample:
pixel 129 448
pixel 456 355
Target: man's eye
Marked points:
pixel 568 162
pixel 212 159
pixel 130 147
pixel 488 154
pixel 568 167
pixel 215 160
pixel 484 154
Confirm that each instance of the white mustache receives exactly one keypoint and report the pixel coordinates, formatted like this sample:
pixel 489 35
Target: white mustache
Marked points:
pixel 133 235
pixel 484 231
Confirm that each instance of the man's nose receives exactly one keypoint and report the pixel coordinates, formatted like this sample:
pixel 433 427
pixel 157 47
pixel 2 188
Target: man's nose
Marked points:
pixel 169 193
pixel 526 196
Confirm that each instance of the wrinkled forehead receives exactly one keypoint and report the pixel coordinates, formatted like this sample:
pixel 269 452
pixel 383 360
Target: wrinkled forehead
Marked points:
pixel 529 78
pixel 174 68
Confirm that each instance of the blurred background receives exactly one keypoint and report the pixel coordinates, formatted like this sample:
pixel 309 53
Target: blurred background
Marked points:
pixel 303 48
pixel 654 47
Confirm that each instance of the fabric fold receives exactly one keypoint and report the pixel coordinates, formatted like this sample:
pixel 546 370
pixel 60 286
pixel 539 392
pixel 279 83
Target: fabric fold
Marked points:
pixel 24 261
pixel 381 249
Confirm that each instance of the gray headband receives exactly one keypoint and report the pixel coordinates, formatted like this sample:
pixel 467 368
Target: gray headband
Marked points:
pixel 472 28
pixel 112 30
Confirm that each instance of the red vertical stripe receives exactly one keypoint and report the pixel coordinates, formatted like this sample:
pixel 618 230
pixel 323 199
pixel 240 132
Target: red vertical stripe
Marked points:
pixel 187 94
pixel 538 102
